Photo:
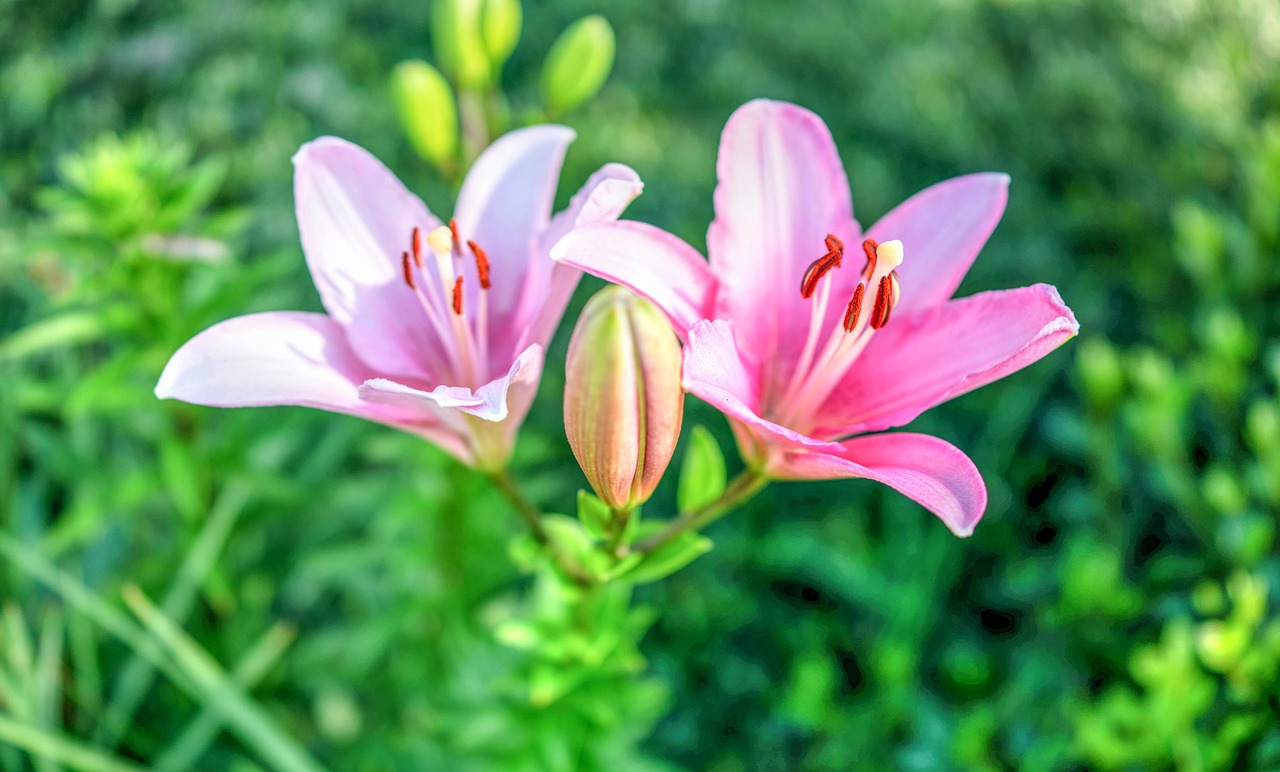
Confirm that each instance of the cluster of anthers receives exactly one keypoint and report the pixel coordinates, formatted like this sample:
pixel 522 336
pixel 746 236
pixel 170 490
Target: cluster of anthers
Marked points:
pixel 818 372
pixel 443 291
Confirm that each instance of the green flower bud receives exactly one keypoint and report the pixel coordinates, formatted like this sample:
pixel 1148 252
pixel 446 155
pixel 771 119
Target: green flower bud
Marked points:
pixel 455 31
pixel 623 403
pixel 578 64
pixel 500 30
pixel 427 111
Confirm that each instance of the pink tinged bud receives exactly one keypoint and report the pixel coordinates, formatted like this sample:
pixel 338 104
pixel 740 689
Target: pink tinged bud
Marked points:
pixel 623 402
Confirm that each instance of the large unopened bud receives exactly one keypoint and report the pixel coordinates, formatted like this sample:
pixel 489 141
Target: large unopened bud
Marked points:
pixel 623 403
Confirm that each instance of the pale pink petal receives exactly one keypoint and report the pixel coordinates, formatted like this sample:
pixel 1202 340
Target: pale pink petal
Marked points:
pixel 356 219
pixel 488 402
pixel 648 261
pixel 942 228
pixel 922 359
pixel 506 201
pixel 276 358
pixel 605 195
pixel 927 470
pixel 781 190
pixel 716 372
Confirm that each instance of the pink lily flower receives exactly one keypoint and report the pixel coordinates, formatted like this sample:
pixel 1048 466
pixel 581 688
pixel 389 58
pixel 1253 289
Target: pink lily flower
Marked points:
pixel 812 358
pixel 434 329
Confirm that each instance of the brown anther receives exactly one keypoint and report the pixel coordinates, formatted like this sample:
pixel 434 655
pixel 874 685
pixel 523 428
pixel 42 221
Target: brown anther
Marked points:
pixel 482 264
pixel 408 272
pixel 453 228
pixel 457 296
pixel 869 246
pixel 884 303
pixel 417 246
pixel 816 270
pixel 834 244
pixel 854 310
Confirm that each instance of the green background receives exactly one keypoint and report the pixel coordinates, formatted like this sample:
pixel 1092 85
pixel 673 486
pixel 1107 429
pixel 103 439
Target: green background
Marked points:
pixel 1111 611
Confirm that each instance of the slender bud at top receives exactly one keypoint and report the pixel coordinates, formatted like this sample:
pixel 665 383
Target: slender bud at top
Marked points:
pixel 623 403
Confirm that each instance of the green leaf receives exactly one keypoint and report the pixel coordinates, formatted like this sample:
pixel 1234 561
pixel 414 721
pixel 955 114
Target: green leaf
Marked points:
pixel 594 514
pixel 669 558
pixel 702 474
pixel 578 63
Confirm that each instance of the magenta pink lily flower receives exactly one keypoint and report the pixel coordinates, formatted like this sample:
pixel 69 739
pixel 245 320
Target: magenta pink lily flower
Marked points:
pixel 812 352
pixel 435 329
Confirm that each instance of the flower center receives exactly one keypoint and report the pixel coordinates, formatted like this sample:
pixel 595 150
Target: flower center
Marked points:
pixel 439 287
pixel 818 372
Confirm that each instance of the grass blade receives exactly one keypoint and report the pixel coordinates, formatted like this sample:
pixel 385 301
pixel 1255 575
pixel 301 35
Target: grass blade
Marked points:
pixel 138 674
pixel 55 748
pixel 213 688
pixel 184 752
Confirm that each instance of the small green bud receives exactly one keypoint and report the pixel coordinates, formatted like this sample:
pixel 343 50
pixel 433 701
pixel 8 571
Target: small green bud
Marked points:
pixel 427 111
pixel 500 30
pixel 623 403
pixel 455 31
pixel 578 64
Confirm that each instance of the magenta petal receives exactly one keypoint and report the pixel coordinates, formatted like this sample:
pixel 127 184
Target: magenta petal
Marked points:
pixel 488 402
pixel 716 373
pixel 782 189
pixel 648 261
pixel 604 196
pixel 355 219
pixel 277 358
pixel 925 358
pixel 927 470
pixel 506 200
pixel 942 228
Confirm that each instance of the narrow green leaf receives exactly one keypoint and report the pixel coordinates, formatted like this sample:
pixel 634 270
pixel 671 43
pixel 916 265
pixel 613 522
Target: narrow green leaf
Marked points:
pixel 594 514
pixel 669 558
pixel 56 748
pixel 702 474
pixel 213 688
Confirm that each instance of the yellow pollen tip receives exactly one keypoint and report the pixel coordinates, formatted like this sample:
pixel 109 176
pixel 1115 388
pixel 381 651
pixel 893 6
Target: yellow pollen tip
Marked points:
pixel 440 240
pixel 889 254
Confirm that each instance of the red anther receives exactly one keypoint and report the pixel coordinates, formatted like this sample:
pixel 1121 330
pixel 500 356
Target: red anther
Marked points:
pixel 869 247
pixel 482 264
pixel 854 310
pixel 884 303
pixel 816 270
pixel 408 272
pixel 453 228
pixel 834 244
pixel 417 246
pixel 457 296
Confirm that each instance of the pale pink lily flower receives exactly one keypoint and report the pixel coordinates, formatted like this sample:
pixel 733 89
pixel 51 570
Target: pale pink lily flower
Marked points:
pixel 816 347
pixel 435 329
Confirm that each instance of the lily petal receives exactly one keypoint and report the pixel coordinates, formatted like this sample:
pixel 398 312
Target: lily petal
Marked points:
pixel 942 228
pixel 506 200
pixel 926 358
pixel 604 196
pixel 648 261
pixel 716 372
pixel 355 219
pixel 927 470
pixel 781 190
pixel 488 402
pixel 275 358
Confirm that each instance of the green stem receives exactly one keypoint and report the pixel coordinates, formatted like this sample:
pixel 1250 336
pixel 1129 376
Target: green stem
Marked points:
pixel 744 486
pixel 532 516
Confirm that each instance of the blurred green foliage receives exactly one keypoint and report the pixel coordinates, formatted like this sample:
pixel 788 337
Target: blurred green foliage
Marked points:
pixel 1116 609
